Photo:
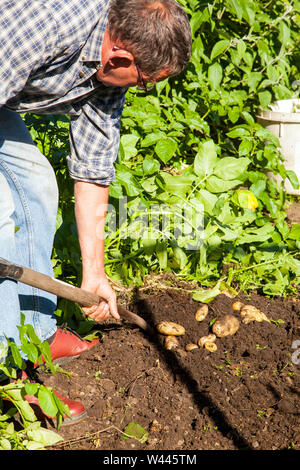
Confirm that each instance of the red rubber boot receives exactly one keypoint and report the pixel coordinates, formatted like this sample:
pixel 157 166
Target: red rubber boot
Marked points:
pixel 67 345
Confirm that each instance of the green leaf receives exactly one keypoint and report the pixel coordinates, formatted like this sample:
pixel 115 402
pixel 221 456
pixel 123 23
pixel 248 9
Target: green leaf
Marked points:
pixel 258 187
pixel 207 295
pixel 253 80
pixel 219 48
pixel 230 168
pixel 234 114
pixel 162 254
pixel 134 430
pixel 206 159
pixel 150 166
pixel 44 437
pixel 285 33
pixel 295 232
pixel 245 147
pixel 45 349
pixel 149 184
pixel 256 235
pixel 177 184
pixel 31 351
pixel 31 334
pixel 241 49
pixel 267 135
pixel 236 7
pixel 5 444
pixel 115 190
pixel 218 185
pixel 126 179
pixel 293 178
pixel 265 98
pixel 238 132
pixel 165 149
pixel 16 354
pixel 208 200
pixel 32 445
pixel 47 402
pixel 249 11
pixel 215 75
pixel 62 407
pixel 152 138
pixel 128 145
pixel 8 415
pixel 16 393
pixel 179 257
pixel 264 51
pixel 197 19
pixel 31 388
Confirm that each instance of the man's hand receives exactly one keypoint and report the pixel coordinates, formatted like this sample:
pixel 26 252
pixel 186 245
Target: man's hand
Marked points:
pixel 102 288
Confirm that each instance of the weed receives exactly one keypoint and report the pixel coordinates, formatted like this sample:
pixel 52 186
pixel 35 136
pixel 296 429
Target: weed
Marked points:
pixel 260 348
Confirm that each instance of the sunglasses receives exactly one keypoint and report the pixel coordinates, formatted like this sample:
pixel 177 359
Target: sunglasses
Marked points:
pixel 142 85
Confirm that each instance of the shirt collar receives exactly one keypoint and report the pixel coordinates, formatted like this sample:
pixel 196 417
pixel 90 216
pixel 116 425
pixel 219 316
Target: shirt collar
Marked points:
pixel 91 51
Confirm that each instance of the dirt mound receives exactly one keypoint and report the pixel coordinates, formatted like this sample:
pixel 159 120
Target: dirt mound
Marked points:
pixel 245 395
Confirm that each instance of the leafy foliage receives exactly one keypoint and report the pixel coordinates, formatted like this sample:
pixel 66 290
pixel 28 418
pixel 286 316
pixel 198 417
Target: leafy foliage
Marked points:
pixel 195 142
pixel 32 436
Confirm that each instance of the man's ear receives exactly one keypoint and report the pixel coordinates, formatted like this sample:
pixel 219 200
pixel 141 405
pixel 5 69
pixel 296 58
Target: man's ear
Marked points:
pixel 120 58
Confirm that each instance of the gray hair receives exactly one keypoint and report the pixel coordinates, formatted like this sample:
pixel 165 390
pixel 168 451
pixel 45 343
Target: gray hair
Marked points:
pixel 157 32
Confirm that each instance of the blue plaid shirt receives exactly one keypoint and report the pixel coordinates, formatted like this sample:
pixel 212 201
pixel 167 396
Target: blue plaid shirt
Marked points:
pixel 49 53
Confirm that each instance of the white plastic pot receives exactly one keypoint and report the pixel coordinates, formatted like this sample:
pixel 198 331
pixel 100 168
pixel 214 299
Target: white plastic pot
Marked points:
pixel 283 119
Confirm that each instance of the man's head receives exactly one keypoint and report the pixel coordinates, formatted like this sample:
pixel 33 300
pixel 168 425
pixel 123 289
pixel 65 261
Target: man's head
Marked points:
pixel 146 40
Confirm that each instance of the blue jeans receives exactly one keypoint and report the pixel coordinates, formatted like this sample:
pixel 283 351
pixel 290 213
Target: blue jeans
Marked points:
pixel 28 209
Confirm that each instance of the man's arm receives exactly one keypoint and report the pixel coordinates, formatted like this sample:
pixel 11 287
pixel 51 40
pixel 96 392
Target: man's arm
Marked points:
pixel 90 210
pixel 94 142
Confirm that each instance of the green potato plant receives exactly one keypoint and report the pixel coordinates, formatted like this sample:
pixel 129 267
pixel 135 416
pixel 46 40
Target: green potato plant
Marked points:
pixel 194 143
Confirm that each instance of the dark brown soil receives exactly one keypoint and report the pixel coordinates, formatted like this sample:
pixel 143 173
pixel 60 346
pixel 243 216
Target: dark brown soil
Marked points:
pixel 243 396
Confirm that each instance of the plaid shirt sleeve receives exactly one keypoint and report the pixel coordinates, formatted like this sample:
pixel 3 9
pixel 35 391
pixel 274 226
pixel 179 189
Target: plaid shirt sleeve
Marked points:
pixel 95 136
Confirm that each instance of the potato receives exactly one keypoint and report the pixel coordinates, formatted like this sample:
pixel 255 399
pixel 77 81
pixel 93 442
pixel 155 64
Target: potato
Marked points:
pixel 250 313
pixel 201 313
pixel 211 346
pixel 228 325
pixel 170 328
pixel 206 339
pixel 171 342
pixel 264 317
pixel 191 346
pixel 237 305
pixel 229 294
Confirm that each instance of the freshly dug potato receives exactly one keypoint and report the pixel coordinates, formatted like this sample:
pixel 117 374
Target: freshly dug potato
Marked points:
pixel 206 339
pixel 171 342
pixel 191 346
pixel 212 347
pixel 250 313
pixel 264 317
pixel 229 294
pixel 201 313
pixel 237 305
pixel 228 325
pixel 170 328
